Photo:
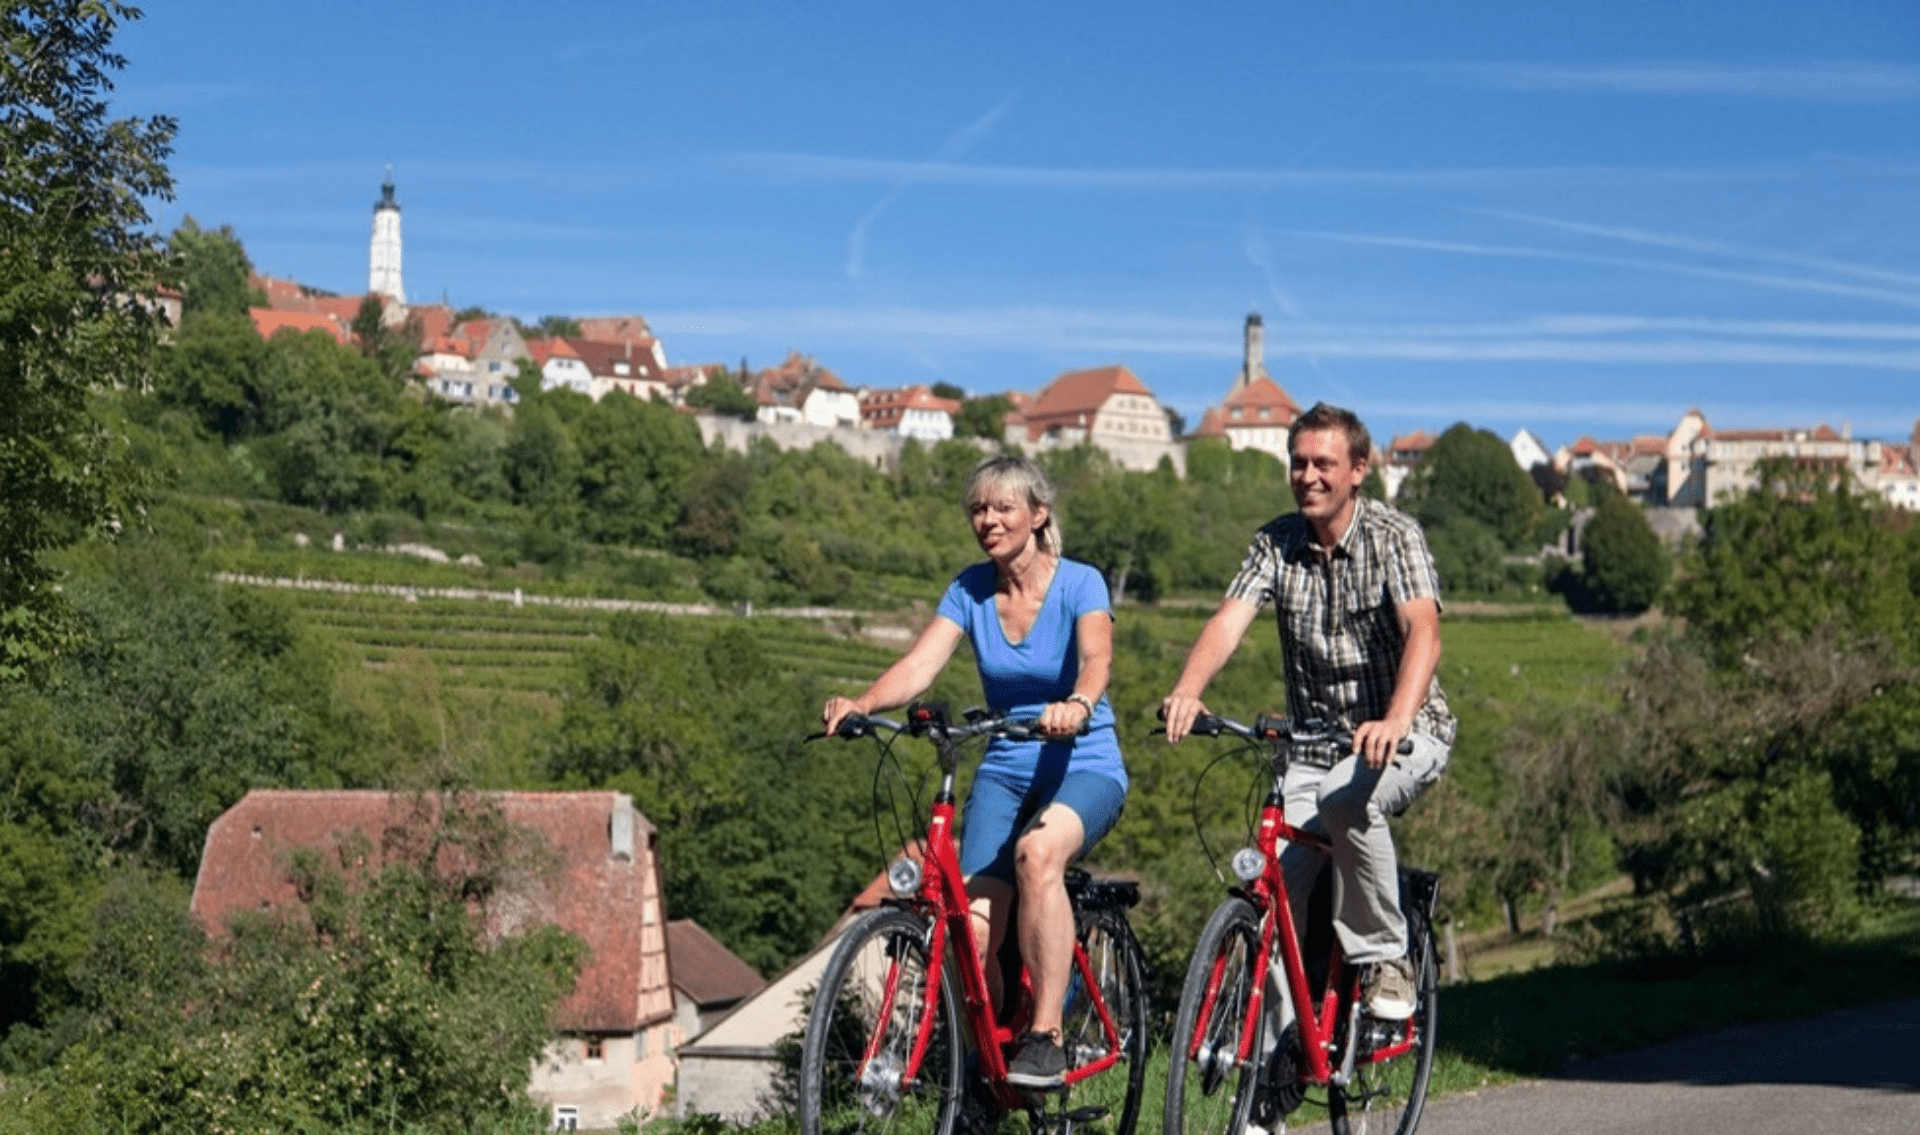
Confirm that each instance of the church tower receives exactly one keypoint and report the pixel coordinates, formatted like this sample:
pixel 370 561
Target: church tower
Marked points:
pixel 383 275
pixel 1254 363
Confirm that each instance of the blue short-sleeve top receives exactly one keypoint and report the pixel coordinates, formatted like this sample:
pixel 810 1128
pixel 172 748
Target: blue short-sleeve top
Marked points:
pixel 1020 678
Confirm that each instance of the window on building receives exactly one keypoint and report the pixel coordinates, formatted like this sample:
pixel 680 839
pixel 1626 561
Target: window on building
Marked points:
pixel 640 1045
pixel 596 1048
pixel 566 1117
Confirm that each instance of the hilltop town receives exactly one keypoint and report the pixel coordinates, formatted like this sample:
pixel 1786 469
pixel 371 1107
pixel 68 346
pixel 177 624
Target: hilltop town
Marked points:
pixel 477 359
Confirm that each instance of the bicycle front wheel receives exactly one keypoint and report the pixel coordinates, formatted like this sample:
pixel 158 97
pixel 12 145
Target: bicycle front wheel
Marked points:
pixel 876 1004
pixel 1386 1097
pixel 1119 972
pixel 1210 1090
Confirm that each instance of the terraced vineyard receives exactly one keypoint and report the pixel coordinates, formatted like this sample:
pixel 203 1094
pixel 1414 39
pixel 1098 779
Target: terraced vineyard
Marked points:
pixel 477 645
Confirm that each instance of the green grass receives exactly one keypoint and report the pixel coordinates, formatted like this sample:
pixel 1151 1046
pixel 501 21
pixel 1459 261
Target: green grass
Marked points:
pixel 1532 1023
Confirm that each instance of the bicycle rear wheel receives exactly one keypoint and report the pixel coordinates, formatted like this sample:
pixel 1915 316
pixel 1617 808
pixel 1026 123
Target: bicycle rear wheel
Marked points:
pixel 876 1000
pixel 1386 1098
pixel 1210 1091
pixel 1118 969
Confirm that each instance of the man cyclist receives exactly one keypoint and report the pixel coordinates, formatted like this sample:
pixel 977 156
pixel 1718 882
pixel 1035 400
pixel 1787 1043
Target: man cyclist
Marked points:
pixel 1357 601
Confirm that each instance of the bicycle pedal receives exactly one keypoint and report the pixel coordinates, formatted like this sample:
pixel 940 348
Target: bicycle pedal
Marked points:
pixel 1087 1114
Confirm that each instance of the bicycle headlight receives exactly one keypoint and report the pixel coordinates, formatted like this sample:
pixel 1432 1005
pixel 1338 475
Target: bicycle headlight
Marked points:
pixel 903 877
pixel 1248 864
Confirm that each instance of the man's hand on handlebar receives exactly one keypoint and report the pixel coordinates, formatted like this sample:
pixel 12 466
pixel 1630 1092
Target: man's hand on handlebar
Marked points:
pixel 1376 741
pixel 836 711
pixel 1179 712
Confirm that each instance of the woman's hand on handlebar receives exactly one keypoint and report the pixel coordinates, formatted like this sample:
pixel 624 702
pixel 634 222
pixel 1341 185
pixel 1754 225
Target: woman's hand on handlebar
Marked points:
pixel 1063 719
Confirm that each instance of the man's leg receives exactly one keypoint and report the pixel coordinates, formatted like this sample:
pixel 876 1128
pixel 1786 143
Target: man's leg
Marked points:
pixel 1355 802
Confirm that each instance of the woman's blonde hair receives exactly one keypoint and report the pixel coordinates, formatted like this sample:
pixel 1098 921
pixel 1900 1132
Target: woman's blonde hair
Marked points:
pixel 1004 471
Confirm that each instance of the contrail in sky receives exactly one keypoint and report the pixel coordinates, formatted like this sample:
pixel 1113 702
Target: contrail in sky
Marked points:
pixel 955 146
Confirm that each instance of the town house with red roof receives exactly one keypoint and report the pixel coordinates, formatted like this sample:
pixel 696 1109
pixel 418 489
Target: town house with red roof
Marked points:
pixel 1256 412
pixel 614 1055
pixel 1704 466
pixel 1106 407
pixel 801 390
pixel 910 411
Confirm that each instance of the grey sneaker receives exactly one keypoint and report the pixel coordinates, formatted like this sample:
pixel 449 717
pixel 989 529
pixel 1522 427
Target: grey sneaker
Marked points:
pixel 1040 1063
pixel 1390 993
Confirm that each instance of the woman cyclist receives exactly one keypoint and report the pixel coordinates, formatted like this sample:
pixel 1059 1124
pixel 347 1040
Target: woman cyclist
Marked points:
pixel 1041 628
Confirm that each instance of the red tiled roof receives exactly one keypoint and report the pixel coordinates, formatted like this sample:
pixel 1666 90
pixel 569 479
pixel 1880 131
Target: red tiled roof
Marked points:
pixel 1210 424
pixel 610 902
pixel 1075 397
pixel 602 358
pixel 630 329
pixel 883 409
pixel 1259 403
pixel 435 320
pixel 706 971
pixel 268 322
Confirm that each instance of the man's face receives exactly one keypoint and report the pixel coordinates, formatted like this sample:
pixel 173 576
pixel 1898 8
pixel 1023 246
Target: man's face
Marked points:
pixel 1325 479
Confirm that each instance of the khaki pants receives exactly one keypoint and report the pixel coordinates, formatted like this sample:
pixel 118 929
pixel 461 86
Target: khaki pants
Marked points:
pixel 1351 803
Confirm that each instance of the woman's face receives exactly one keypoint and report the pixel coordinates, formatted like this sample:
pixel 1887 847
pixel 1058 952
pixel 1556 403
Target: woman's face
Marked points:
pixel 1004 522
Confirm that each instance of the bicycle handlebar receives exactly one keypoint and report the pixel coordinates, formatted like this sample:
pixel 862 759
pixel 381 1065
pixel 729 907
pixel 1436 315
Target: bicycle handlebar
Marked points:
pixel 1275 729
pixel 926 719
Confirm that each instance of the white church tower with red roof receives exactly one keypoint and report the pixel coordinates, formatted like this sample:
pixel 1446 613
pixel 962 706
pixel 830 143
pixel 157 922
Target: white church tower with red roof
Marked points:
pixel 383 274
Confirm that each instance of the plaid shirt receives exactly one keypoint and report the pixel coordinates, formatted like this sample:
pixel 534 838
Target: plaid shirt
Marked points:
pixel 1339 630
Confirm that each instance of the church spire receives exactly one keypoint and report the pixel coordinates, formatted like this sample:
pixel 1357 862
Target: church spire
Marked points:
pixel 1254 362
pixel 383 271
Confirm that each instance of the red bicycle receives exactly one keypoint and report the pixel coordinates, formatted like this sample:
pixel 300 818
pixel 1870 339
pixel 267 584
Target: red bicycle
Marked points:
pixel 886 1044
pixel 1244 1057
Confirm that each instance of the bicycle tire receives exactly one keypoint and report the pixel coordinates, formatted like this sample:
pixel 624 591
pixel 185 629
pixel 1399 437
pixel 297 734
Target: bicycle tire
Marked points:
pixel 841 1092
pixel 1387 1098
pixel 1114 958
pixel 1208 1091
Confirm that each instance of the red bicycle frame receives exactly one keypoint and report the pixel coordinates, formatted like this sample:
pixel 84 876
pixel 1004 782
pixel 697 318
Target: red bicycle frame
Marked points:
pixel 942 897
pixel 1318 1023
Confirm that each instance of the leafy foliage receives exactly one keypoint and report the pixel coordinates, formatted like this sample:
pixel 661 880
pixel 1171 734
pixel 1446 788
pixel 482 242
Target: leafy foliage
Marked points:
pixel 1626 565
pixel 213 270
pixel 384 1000
pixel 77 286
pixel 1471 474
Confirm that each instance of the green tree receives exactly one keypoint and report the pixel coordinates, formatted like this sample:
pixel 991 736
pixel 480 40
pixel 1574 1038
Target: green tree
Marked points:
pixel 1626 565
pixel 214 270
pixel 382 1000
pixel 393 347
pixel 212 372
pixel 760 843
pixel 1471 473
pixel 1124 525
pixel 1797 553
pixel 1468 556
pixel 983 417
pixel 554 327
pixel 723 395
pixel 636 459
pixel 77 283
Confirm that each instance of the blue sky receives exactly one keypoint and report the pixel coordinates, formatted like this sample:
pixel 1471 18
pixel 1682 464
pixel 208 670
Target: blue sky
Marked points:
pixel 1575 217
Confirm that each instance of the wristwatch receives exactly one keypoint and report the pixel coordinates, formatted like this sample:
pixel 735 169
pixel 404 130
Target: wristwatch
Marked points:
pixel 1081 699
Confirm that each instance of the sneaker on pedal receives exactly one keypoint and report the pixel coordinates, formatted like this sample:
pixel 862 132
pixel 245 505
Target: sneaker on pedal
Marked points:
pixel 1041 1063
pixel 1390 993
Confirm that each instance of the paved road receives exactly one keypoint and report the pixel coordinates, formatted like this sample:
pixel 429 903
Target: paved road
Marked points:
pixel 1856 1070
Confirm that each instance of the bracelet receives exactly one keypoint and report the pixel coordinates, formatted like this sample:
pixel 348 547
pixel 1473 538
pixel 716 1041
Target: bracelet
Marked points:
pixel 1081 700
